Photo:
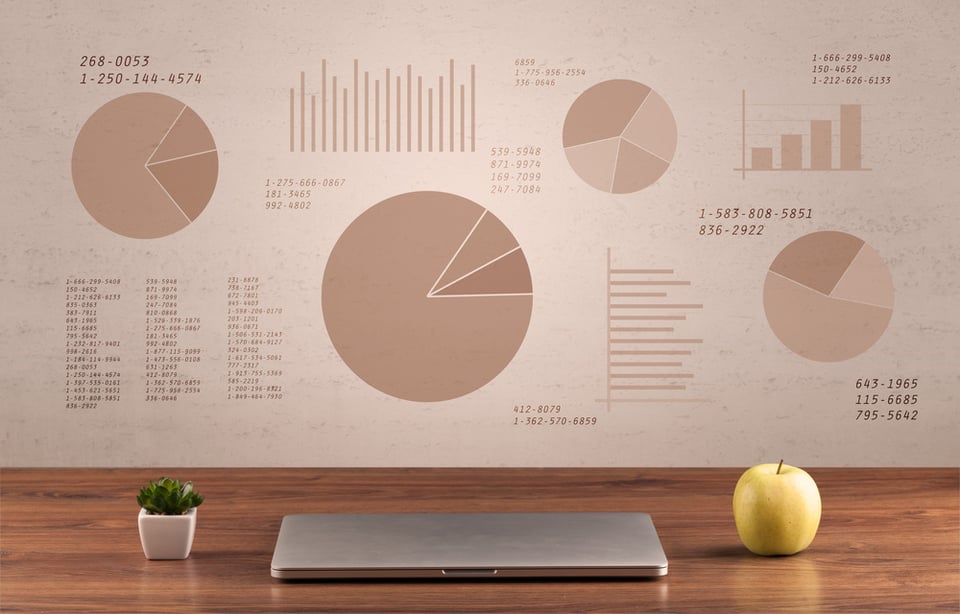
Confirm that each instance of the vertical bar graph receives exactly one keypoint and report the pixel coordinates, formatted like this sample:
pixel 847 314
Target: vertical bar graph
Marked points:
pixel 800 137
pixel 647 351
pixel 387 110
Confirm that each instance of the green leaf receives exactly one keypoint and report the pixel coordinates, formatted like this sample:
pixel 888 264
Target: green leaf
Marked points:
pixel 169 497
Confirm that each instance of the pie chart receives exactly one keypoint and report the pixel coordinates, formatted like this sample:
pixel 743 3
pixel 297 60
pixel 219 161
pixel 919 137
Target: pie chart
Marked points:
pixel 619 136
pixel 828 296
pixel 427 296
pixel 145 165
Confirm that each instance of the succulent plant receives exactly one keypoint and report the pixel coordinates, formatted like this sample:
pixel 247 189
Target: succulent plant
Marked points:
pixel 168 497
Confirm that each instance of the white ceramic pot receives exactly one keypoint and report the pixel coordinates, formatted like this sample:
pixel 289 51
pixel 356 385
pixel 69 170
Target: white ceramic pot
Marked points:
pixel 167 537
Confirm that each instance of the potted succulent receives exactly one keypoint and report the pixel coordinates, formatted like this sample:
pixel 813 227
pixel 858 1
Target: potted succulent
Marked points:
pixel 168 518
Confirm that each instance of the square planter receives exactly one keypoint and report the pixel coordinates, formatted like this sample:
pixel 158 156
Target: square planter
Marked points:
pixel 167 537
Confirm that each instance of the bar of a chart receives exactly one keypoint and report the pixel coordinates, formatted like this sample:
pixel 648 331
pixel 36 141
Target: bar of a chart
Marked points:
pixel 798 137
pixel 387 110
pixel 649 356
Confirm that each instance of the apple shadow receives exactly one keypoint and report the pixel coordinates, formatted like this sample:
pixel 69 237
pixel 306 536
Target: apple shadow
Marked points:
pixel 730 551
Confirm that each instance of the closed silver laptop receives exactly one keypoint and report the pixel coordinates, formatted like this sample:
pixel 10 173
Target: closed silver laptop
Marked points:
pixel 468 545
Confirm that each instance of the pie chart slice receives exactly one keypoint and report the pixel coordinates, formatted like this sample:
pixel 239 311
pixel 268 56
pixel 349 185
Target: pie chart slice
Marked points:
pixel 818 260
pixel 636 168
pixel 144 165
pixel 185 181
pixel 826 302
pixel 488 241
pixel 596 162
pixel 507 275
pixel 619 136
pixel 603 111
pixel 652 128
pixel 867 280
pixel 187 136
pixel 389 323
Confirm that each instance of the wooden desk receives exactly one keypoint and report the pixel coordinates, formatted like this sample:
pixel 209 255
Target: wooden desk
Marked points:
pixel 889 540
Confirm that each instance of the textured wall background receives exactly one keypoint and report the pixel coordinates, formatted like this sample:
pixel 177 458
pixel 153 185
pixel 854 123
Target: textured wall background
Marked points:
pixel 95 375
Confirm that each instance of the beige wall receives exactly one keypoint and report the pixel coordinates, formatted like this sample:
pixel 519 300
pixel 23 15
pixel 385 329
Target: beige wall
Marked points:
pixel 349 353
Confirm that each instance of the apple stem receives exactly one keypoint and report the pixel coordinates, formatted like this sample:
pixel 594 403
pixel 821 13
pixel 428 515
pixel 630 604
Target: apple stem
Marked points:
pixel 779 466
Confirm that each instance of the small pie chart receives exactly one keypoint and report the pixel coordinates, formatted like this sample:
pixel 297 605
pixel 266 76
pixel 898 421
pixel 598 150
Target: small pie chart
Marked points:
pixel 145 165
pixel 828 296
pixel 427 296
pixel 619 136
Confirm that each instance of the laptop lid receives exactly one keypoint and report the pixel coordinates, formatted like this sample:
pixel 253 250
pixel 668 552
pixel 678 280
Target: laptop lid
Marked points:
pixel 468 545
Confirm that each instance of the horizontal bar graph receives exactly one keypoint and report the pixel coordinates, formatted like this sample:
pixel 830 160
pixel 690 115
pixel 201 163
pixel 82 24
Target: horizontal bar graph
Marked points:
pixel 647 352
pixel 384 111
pixel 832 140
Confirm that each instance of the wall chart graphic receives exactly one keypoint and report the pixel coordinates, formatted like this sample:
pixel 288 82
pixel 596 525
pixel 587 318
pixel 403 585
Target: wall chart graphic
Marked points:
pixel 619 136
pixel 828 296
pixel 427 296
pixel 145 165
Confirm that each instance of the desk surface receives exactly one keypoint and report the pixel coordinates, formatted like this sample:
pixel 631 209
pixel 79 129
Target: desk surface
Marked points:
pixel 889 540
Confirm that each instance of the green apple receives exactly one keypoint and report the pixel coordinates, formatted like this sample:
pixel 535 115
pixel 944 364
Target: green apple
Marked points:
pixel 776 508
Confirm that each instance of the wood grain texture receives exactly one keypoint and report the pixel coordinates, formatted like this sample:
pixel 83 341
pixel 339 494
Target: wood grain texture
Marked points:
pixel 889 541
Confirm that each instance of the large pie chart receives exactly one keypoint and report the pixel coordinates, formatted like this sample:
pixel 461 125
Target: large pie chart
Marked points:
pixel 145 165
pixel 619 136
pixel 427 296
pixel 828 296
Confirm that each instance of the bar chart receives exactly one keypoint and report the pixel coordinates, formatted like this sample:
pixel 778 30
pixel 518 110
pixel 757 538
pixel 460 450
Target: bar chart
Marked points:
pixel 800 137
pixel 387 110
pixel 648 352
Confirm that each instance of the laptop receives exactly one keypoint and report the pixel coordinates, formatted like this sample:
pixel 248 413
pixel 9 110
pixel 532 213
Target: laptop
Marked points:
pixel 468 545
